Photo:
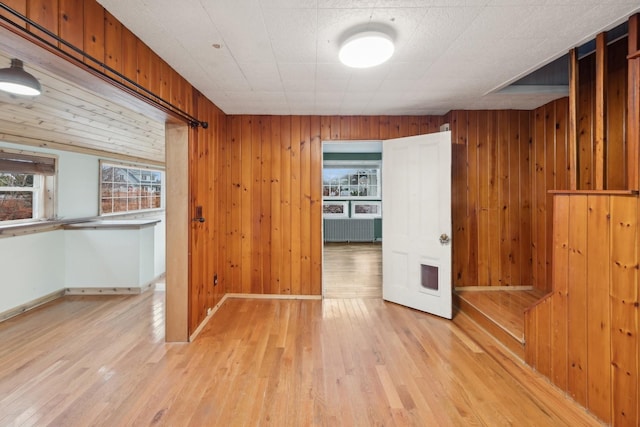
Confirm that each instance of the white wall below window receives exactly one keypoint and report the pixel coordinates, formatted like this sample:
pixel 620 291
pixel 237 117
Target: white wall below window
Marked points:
pixel 35 265
pixel 31 267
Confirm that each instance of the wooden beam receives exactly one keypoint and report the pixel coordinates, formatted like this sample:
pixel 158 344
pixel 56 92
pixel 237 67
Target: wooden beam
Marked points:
pixel 177 285
pixel 573 119
pixel 633 105
pixel 601 111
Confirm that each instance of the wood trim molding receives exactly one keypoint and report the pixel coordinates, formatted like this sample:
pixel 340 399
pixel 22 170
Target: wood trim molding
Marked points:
pixel 600 140
pixel 31 305
pixel 133 290
pixel 177 220
pixel 633 105
pixel 573 119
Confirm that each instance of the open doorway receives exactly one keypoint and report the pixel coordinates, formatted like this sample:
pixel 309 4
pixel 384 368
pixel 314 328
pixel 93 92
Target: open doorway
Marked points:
pixel 352 219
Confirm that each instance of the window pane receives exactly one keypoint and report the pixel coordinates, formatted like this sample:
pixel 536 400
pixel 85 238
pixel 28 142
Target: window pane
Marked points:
pixel 16 205
pixel 107 173
pixel 125 189
pixel 16 180
pixel 107 205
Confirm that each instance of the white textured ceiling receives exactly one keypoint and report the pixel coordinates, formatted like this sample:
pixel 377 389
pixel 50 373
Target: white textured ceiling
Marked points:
pixel 281 56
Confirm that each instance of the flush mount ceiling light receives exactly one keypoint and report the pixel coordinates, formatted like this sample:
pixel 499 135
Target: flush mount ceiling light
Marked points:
pixel 366 49
pixel 17 81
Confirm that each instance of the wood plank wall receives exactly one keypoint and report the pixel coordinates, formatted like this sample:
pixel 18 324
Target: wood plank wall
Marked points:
pixel 616 118
pixel 270 171
pixel 550 171
pixel 204 151
pixel 492 198
pixel 584 336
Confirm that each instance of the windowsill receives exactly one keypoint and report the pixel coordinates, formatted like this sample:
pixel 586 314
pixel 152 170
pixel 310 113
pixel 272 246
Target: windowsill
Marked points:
pixel 137 220
pixel 113 224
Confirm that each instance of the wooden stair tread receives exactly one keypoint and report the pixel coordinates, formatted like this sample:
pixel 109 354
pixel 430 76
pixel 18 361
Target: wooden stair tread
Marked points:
pixel 500 312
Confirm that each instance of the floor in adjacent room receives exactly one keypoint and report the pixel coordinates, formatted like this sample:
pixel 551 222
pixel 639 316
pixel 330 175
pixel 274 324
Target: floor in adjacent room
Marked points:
pixel 352 270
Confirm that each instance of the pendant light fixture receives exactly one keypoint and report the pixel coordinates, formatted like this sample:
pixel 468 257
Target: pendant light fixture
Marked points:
pixel 17 81
pixel 366 49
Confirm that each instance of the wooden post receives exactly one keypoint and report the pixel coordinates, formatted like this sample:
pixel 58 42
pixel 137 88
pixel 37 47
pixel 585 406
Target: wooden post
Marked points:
pixel 633 106
pixel 601 111
pixel 177 278
pixel 573 119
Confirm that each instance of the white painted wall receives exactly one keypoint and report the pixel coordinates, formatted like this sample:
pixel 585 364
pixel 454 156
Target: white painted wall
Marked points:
pixel 31 267
pixel 35 265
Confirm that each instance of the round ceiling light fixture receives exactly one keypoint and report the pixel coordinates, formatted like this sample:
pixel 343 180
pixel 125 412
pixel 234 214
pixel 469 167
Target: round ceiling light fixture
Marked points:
pixel 366 49
pixel 17 81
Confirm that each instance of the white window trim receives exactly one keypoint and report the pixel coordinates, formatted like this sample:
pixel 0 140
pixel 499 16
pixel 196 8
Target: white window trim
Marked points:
pixel 45 190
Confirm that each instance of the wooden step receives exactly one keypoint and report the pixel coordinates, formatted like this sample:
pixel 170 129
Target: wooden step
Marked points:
pixel 499 311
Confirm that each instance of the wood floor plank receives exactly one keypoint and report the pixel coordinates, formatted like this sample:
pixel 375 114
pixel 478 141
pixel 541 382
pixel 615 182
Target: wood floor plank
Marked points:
pixel 103 362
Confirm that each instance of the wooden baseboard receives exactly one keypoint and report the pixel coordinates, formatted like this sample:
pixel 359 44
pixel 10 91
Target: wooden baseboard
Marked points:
pixel 31 305
pixel 110 291
pixel 273 296
pixel 492 288
pixel 210 314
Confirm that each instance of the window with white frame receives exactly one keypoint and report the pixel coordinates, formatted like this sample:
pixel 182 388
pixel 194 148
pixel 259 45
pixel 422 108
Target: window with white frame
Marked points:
pixel 349 180
pixel 27 184
pixel 130 188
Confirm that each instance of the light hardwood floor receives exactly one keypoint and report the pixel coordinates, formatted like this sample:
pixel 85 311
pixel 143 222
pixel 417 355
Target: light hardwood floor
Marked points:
pixel 102 361
pixel 352 270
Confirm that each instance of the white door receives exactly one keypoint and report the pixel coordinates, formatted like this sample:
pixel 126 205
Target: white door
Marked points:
pixel 416 229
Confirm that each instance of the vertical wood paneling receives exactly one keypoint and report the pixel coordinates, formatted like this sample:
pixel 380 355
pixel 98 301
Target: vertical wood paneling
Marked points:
pixel 600 113
pixel 559 312
pixel 598 316
pixel 505 241
pixel 561 120
pixel 94 41
pixel 540 187
pixel 586 112
pixel 143 61
pixel 472 198
pixel 265 203
pixel 633 103
pixel 276 206
pixel 19 6
pixel 525 204
pixel 237 190
pixel 113 43
pixel 286 190
pixel 493 207
pixel 44 13
pixel 315 168
pixel 624 310
pixel 255 213
pixel 72 25
pixel 616 164
pixel 577 336
pixel 295 260
pixel 598 328
pixel 305 205
pixel 246 212
pixel 511 197
pixel 483 200
pixel 543 331
pixel 129 56
pixel 460 217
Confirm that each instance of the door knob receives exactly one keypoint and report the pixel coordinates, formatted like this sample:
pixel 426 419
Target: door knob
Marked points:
pixel 444 239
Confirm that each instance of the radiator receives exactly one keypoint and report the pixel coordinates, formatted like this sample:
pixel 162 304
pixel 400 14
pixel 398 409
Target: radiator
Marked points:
pixel 348 230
